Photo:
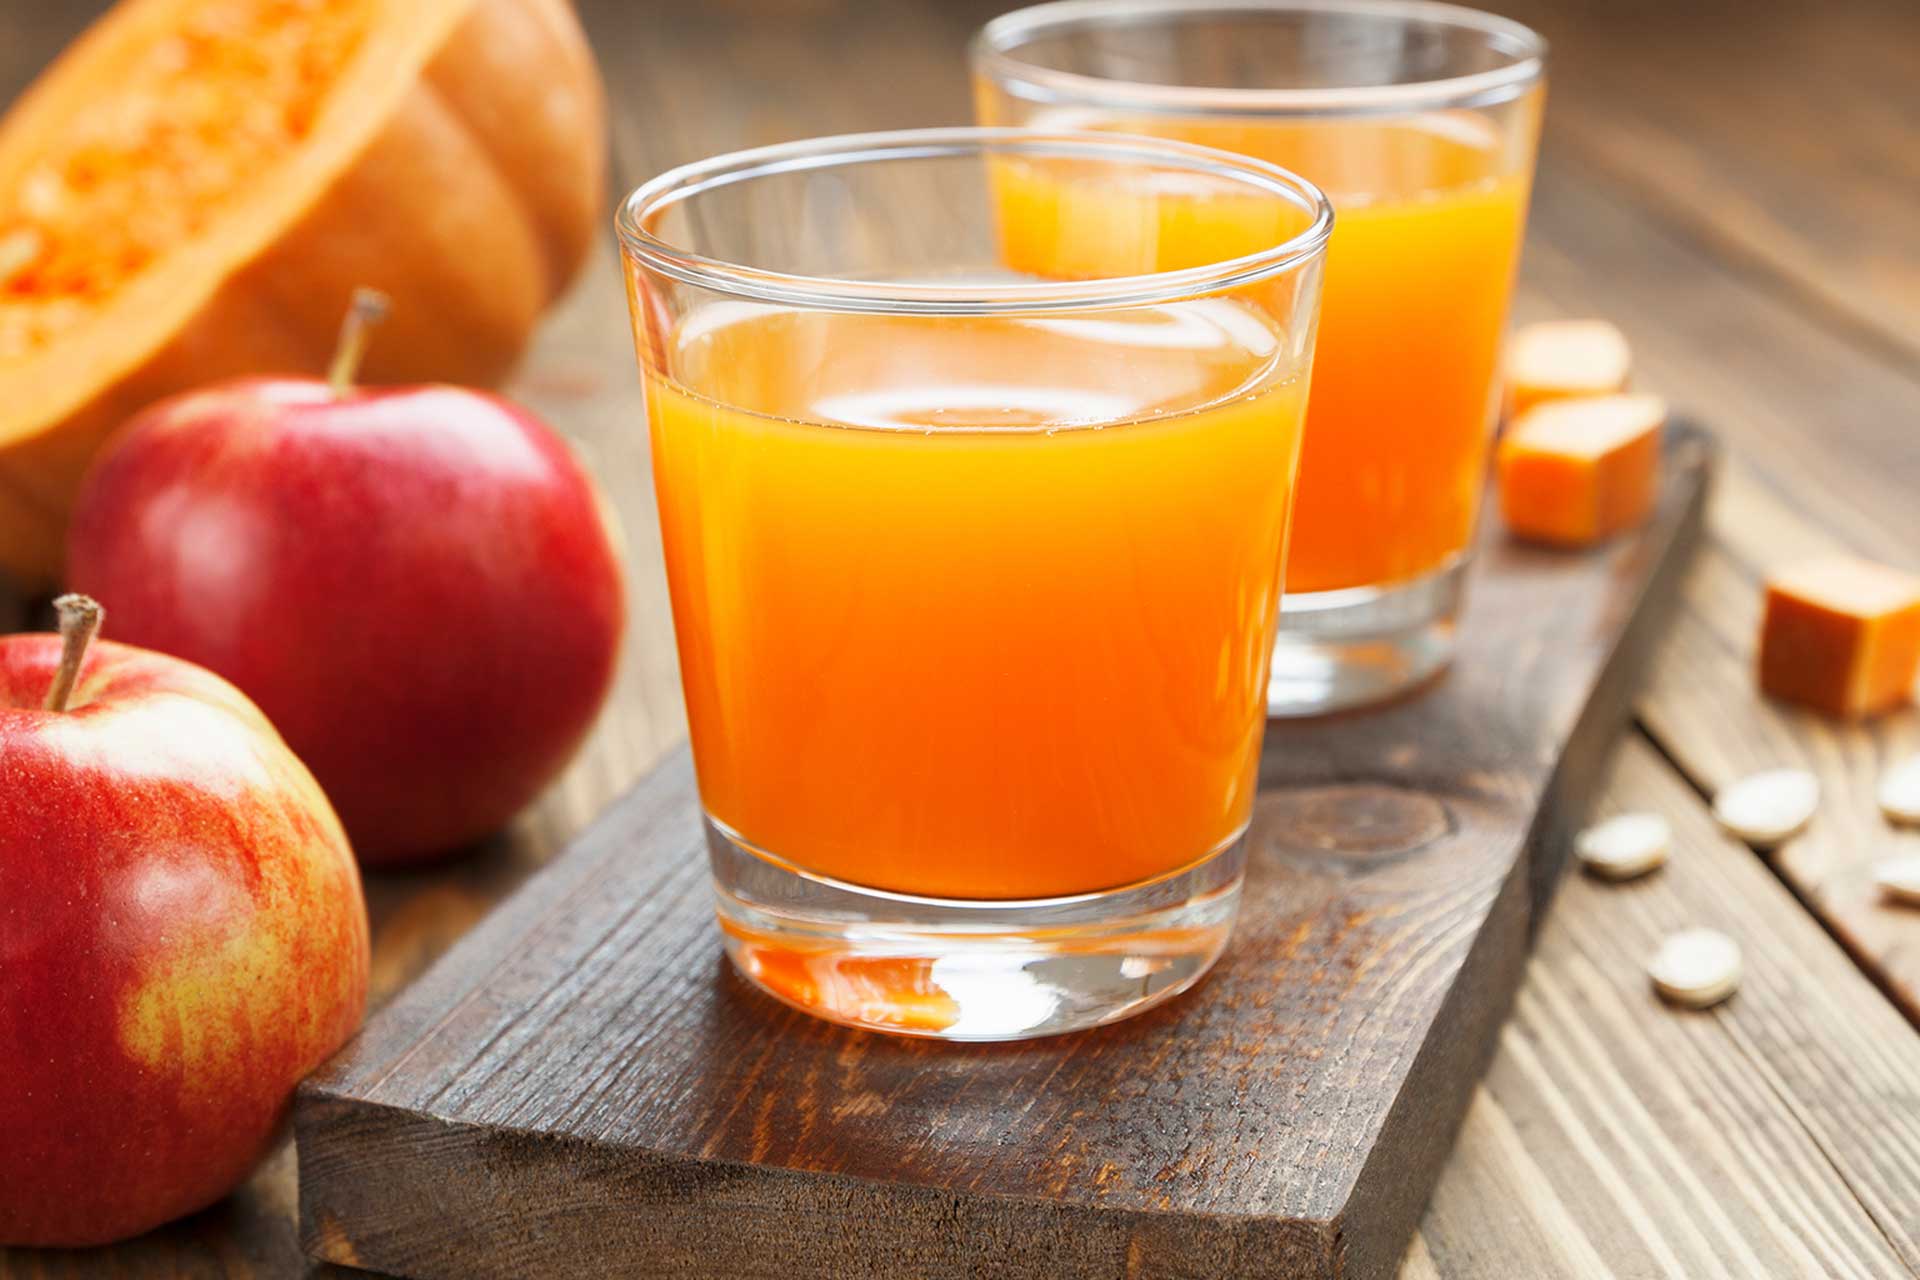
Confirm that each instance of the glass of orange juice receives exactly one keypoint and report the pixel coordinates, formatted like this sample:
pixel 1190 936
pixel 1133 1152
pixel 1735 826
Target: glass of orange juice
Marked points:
pixel 974 573
pixel 1420 121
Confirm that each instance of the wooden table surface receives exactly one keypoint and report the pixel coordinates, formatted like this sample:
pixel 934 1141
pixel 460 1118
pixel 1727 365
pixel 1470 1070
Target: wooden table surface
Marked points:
pixel 1737 184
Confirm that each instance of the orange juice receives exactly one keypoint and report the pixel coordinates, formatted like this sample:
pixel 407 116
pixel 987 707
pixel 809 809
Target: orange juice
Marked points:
pixel 976 607
pixel 1429 212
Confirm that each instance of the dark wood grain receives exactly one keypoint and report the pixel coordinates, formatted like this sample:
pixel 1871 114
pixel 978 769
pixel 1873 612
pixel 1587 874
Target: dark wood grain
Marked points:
pixel 585 1057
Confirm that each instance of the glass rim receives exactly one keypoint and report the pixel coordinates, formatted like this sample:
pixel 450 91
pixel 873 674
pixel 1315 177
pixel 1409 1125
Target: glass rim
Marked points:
pixel 917 298
pixel 991 45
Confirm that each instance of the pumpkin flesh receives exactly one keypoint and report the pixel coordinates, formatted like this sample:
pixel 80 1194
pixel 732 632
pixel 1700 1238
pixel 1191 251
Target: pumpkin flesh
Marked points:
pixel 194 189
pixel 152 161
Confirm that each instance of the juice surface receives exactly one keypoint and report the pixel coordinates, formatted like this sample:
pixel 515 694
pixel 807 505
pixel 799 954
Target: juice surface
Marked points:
pixel 1429 213
pixel 976 607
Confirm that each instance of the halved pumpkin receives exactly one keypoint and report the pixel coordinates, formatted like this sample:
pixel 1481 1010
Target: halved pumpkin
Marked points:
pixel 195 188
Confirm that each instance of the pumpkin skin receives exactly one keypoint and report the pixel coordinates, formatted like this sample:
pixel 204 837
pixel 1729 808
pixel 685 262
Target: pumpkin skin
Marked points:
pixel 457 164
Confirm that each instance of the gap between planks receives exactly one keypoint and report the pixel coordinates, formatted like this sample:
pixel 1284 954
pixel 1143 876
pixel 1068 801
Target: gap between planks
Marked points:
pixel 1702 709
pixel 1778 1134
pixel 1772 382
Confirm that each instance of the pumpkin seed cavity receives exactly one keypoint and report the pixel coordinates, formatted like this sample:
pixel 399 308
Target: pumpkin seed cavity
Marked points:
pixel 189 121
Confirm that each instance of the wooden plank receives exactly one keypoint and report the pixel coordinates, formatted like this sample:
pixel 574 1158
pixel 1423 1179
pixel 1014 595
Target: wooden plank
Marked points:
pixel 1701 703
pixel 247 1235
pixel 586 1058
pixel 1777 1135
pixel 1777 379
pixel 693 81
pixel 1775 134
pixel 1772 133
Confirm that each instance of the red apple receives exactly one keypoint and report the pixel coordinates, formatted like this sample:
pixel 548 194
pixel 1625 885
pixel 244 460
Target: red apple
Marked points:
pixel 182 937
pixel 416 584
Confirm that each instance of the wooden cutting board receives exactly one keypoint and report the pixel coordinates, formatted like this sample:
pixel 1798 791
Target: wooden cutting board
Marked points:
pixel 582 1088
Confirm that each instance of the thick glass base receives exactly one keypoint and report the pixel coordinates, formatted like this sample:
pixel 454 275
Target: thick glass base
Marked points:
pixel 970 970
pixel 1342 649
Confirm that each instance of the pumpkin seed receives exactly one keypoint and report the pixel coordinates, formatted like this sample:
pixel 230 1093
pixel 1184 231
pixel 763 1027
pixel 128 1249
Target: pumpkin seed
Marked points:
pixel 1624 846
pixel 1899 792
pixel 1696 968
pixel 1899 878
pixel 1767 808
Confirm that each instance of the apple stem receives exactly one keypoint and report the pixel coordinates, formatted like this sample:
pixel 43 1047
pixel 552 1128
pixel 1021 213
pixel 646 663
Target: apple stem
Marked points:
pixel 80 619
pixel 368 308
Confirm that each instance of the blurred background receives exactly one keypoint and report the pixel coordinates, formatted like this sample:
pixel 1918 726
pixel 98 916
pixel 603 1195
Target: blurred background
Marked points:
pixel 1785 128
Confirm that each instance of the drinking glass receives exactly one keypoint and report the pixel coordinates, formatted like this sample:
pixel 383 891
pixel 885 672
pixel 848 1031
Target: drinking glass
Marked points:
pixel 1421 122
pixel 974 573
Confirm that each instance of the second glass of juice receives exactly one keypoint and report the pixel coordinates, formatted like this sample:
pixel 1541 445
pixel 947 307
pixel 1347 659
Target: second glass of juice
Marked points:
pixel 974 574
pixel 1420 121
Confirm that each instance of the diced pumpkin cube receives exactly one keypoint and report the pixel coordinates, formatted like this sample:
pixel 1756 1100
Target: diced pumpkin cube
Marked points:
pixel 1841 635
pixel 1574 472
pixel 1564 359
